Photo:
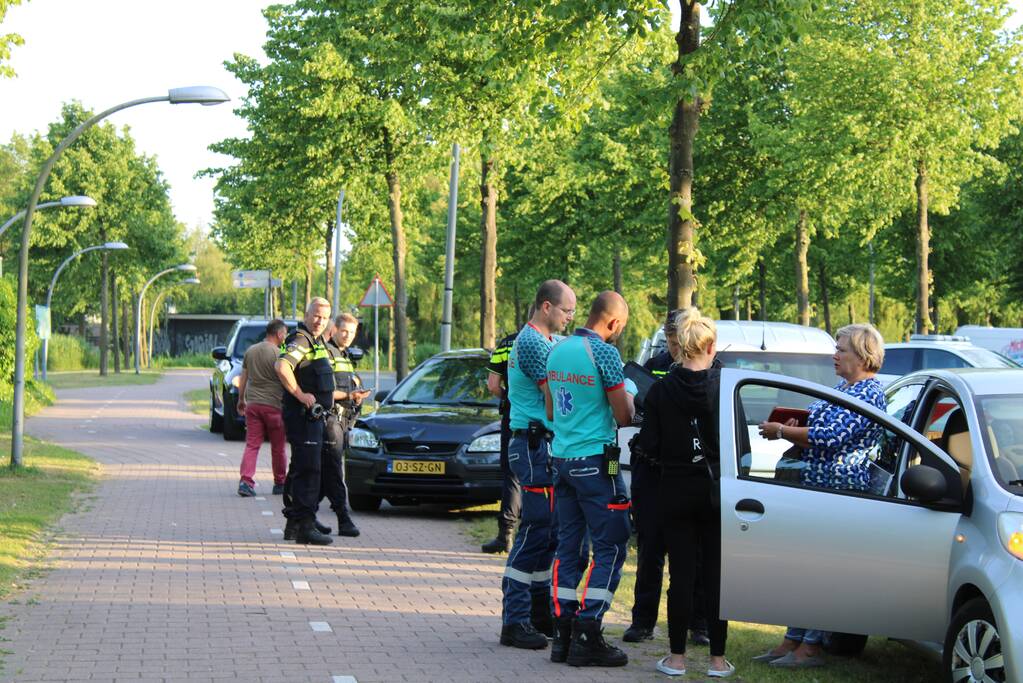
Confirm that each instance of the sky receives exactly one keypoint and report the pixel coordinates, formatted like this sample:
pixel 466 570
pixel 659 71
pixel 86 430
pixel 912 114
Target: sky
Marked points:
pixel 103 52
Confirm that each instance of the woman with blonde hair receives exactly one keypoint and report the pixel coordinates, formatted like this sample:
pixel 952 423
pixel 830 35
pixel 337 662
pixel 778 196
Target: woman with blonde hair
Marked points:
pixel 680 431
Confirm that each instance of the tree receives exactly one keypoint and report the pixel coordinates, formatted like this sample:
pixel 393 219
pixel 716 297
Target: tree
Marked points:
pixel 7 40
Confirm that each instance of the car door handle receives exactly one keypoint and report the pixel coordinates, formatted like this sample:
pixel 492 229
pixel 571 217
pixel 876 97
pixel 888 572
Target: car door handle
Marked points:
pixel 750 505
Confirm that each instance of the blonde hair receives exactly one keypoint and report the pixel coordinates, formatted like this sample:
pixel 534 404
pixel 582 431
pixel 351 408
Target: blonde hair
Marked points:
pixel 695 332
pixel 866 342
pixel 345 318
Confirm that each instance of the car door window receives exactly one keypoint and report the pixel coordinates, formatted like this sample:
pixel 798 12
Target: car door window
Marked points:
pixel 899 362
pixel 947 428
pixel 937 359
pixel 847 452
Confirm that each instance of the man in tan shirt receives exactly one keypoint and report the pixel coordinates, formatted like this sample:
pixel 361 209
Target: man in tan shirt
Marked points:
pixel 259 398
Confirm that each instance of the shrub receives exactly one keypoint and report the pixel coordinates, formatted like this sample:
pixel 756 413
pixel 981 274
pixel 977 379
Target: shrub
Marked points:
pixel 188 360
pixel 8 326
pixel 67 352
pixel 423 350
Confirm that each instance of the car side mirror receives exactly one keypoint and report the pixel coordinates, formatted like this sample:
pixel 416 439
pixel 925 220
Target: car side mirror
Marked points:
pixel 924 483
pixel 381 395
pixel 219 353
pixel 355 353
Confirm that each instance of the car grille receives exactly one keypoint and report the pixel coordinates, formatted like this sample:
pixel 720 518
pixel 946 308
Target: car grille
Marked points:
pixel 409 448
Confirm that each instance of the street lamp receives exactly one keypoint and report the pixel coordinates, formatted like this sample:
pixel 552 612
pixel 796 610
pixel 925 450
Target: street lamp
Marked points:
pixel 152 316
pixel 197 95
pixel 185 268
pixel 77 200
pixel 108 246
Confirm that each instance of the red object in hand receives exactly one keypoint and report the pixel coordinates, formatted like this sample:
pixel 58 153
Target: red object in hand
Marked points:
pixel 783 415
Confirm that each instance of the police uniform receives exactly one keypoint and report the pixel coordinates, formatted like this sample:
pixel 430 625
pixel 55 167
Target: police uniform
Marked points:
pixel 527 575
pixel 338 423
pixel 581 371
pixel 314 373
pixel 511 490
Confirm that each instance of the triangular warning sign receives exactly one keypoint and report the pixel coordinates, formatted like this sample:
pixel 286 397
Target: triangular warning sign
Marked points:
pixel 376 295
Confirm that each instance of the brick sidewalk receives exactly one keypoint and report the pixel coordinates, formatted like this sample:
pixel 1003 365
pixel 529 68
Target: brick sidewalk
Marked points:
pixel 165 574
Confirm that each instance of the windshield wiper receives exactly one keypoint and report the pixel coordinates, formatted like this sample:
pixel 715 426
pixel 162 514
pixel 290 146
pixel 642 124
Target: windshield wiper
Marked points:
pixel 476 404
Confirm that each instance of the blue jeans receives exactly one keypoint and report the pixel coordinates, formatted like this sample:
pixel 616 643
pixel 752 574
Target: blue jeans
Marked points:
pixel 804 635
pixel 585 500
pixel 528 570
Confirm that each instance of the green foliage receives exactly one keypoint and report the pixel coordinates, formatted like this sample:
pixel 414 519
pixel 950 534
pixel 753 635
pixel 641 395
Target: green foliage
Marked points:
pixel 8 327
pixel 7 40
pixel 66 352
pixel 188 360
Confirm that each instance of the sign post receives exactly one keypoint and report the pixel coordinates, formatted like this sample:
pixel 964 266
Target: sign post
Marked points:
pixel 377 297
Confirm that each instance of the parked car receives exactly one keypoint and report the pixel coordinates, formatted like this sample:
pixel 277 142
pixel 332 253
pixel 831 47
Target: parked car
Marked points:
pixel 435 438
pixel 932 552
pixel 937 352
pixel 1007 341
pixel 224 416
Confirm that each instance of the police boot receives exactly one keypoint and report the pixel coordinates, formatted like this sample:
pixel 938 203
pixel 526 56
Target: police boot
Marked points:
pixel 345 525
pixel 502 543
pixel 306 532
pixel 588 647
pixel 540 614
pixel 523 636
pixel 322 528
pixel 289 530
pixel 562 638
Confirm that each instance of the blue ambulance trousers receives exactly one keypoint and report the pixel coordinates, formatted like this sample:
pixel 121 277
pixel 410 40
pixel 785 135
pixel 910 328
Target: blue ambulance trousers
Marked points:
pixel 528 570
pixel 587 499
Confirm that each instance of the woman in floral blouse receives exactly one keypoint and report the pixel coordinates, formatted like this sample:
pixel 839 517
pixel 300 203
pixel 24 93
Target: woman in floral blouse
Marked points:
pixel 836 444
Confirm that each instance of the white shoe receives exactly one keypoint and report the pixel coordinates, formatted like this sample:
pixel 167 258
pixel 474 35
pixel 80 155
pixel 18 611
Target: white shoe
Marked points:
pixel 722 673
pixel 663 667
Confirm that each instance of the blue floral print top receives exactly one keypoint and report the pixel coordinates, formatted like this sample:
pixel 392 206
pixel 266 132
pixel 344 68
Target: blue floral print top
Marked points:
pixel 841 441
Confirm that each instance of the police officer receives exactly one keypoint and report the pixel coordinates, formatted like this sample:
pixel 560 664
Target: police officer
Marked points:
pixel 527 575
pixel 348 398
pixel 511 490
pixel 586 398
pixel 651 546
pixel 306 372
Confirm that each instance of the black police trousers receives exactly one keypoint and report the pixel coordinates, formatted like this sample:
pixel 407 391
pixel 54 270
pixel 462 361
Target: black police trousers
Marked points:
pixel 651 548
pixel 332 466
pixel 511 489
pixel 302 485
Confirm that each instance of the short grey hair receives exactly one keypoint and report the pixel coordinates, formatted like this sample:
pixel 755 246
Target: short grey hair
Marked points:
pixel 866 342
pixel 316 302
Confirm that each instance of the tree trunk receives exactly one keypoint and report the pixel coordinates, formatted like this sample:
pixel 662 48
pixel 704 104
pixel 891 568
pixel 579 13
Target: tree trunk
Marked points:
pixel 735 303
pixel 398 252
pixel 749 308
pixel 114 304
pixel 762 267
pixel 488 252
pixel 923 250
pixel 681 135
pixel 824 297
pixel 104 313
pixel 126 339
pixel 616 269
pixel 852 313
pixel 308 285
pixel 802 271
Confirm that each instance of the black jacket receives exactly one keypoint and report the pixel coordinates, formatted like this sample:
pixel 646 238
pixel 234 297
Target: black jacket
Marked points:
pixel 680 429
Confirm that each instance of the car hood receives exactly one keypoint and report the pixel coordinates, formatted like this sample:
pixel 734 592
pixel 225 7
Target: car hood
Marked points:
pixel 431 423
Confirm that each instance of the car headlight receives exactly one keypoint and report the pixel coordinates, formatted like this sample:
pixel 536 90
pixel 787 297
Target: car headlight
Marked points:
pixel 235 381
pixel 1010 530
pixel 488 443
pixel 363 438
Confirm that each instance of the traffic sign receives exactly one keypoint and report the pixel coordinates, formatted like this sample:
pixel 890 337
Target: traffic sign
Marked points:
pixel 252 279
pixel 43 322
pixel 376 295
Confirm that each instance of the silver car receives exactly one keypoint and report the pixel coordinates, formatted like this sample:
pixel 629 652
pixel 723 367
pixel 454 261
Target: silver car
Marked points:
pixel 931 552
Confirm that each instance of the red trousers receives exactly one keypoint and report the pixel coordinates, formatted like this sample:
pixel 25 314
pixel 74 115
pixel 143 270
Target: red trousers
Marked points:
pixel 263 420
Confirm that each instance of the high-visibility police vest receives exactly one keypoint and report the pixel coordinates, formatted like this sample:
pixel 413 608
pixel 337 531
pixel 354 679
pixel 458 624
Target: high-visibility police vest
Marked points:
pixel 311 363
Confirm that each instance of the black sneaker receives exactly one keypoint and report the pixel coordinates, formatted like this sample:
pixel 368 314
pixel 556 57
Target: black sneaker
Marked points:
pixel 278 490
pixel 245 491
pixel 523 636
pixel 588 647
pixel 637 634
pixel 562 638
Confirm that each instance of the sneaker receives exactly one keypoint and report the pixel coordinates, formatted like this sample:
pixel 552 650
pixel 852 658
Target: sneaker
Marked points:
pixel 278 490
pixel 523 636
pixel 637 634
pixel 245 491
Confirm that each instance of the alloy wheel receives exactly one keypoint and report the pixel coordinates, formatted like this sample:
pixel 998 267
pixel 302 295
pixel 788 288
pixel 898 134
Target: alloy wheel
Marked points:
pixel 977 654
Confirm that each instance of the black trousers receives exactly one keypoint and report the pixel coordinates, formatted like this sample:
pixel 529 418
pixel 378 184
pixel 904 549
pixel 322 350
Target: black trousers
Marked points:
pixel 691 518
pixel 651 548
pixel 511 489
pixel 332 466
pixel 302 485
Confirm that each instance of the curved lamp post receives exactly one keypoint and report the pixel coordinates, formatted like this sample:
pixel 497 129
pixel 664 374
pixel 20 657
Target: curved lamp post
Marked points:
pixel 108 246
pixel 204 95
pixel 152 315
pixel 75 200
pixel 184 268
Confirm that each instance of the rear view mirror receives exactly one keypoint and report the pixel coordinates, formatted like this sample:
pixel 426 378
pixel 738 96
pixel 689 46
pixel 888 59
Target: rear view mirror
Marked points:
pixel 924 483
pixel 219 353
pixel 381 395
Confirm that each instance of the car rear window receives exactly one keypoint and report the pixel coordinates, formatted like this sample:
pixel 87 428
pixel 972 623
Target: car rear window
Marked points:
pixel 899 362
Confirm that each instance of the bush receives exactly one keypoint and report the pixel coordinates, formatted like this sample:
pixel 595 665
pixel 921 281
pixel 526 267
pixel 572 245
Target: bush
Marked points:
pixel 8 327
pixel 67 352
pixel 188 360
pixel 37 395
pixel 422 351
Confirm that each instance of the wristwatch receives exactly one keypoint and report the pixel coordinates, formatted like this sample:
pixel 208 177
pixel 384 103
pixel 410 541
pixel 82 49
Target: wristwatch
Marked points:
pixel 779 435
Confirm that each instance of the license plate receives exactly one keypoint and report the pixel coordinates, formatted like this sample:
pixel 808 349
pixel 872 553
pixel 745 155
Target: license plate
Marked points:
pixel 416 466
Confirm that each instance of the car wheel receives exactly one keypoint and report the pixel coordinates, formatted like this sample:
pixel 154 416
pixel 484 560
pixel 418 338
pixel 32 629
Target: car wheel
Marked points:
pixel 361 503
pixel 216 421
pixel 232 430
pixel 844 644
pixel 973 647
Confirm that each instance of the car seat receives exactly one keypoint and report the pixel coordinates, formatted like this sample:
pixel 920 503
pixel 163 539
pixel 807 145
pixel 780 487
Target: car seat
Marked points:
pixel 955 440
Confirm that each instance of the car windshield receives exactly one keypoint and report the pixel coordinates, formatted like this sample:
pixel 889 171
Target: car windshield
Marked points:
pixel 249 335
pixel 759 401
pixel 982 358
pixel 447 381
pixel 1001 421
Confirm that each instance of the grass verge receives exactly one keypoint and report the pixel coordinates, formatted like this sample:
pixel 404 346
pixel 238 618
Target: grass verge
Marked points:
pixel 883 660
pixel 198 400
pixel 92 378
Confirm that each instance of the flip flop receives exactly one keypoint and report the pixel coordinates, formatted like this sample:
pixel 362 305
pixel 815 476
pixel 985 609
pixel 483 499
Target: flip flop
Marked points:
pixel 722 673
pixel 663 667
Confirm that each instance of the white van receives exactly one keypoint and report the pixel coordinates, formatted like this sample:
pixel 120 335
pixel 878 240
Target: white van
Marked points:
pixel 1007 341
